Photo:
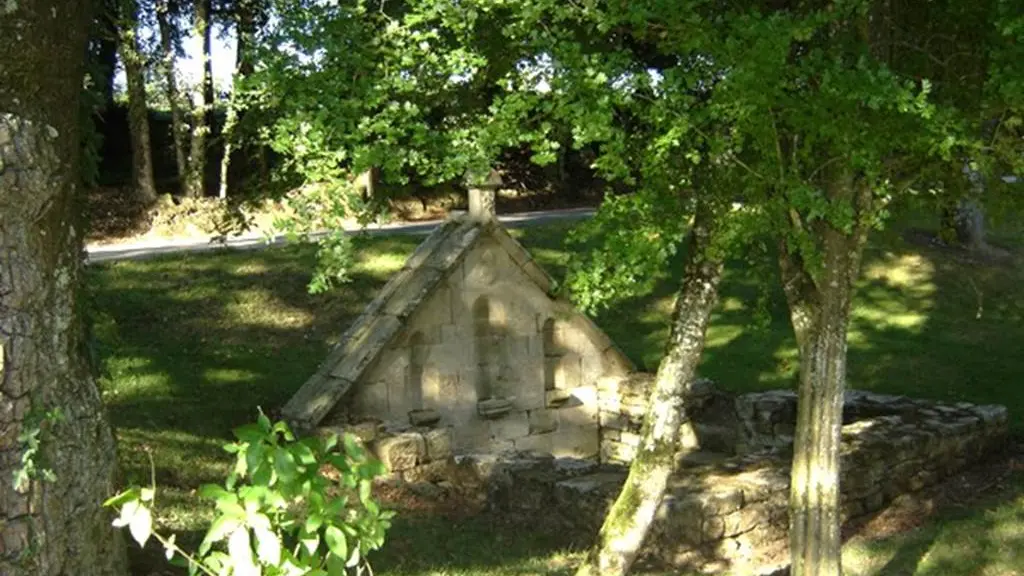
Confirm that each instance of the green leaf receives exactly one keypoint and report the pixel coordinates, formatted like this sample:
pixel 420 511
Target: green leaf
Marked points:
pixel 284 464
pixel 263 475
pixel 141 525
pixel 219 529
pixel 215 492
pixel 250 433
pixel 264 423
pixel 329 442
pixel 313 523
pixel 231 508
pixel 169 547
pixel 268 546
pixel 353 560
pixel 310 541
pixel 336 542
pixel 124 497
pixel 335 566
pixel 352 447
pixel 365 491
pixel 240 551
pixel 303 453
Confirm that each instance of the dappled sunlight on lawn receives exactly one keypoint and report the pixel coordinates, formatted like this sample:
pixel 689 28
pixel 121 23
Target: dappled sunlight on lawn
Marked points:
pixel 260 307
pixel 985 541
pixel 379 264
pixel 191 345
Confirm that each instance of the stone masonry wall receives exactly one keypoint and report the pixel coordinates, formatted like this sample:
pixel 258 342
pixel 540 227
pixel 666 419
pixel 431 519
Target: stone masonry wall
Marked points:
pixel 506 366
pixel 621 406
pixel 727 513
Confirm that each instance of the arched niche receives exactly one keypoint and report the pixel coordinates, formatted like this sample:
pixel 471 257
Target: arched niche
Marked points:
pixel 418 354
pixel 551 353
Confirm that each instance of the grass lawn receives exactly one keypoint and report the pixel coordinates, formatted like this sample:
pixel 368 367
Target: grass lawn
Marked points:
pixel 190 346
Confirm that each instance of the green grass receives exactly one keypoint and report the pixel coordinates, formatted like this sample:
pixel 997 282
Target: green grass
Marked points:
pixel 191 345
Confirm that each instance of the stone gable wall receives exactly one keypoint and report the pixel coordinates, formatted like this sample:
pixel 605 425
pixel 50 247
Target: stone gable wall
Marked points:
pixel 503 364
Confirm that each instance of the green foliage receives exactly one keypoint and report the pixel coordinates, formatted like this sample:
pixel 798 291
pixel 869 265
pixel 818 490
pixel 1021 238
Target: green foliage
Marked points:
pixel 278 512
pixel 319 213
pixel 31 438
pixel 785 110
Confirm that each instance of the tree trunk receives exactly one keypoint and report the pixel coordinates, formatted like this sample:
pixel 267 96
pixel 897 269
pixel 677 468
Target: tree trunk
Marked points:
pixel 51 519
pixel 195 185
pixel 138 111
pixel 105 31
pixel 964 224
pixel 228 135
pixel 630 517
pixel 178 127
pixel 206 34
pixel 820 312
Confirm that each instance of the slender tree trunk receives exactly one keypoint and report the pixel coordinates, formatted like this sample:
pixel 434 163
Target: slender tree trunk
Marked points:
pixel 820 312
pixel 630 517
pixel 105 31
pixel 207 32
pixel 244 33
pixel 138 111
pixel 228 136
pixel 178 128
pixel 51 519
pixel 196 180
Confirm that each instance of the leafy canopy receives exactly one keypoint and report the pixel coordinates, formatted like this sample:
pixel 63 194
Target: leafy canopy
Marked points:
pixel 770 104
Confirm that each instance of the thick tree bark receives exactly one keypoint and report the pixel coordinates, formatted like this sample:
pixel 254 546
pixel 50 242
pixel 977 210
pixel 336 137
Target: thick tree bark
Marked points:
pixel 820 312
pixel 138 110
pixel 630 517
pixel 195 183
pixel 178 128
pixel 56 525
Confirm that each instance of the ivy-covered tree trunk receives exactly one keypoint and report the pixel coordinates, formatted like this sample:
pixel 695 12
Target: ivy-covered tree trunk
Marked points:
pixel 138 111
pixel 820 312
pixel 630 517
pixel 178 127
pixel 246 22
pixel 57 452
pixel 195 182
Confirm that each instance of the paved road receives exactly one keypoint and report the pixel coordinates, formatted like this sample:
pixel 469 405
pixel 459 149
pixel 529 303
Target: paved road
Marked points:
pixel 149 248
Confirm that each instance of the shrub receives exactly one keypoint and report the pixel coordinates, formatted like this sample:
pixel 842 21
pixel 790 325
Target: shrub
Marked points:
pixel 289 507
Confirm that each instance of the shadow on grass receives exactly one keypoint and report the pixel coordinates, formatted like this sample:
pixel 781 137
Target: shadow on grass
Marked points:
pixel 193 344
pixel 987 537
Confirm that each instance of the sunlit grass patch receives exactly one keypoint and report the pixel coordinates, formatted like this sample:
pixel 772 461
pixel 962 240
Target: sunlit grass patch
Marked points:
pixel 192 345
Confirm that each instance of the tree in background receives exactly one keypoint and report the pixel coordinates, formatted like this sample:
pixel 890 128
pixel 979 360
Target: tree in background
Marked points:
pixel 167 13
pixel 57 452
pixel 134 59
pixel 103 50
pixel 202 106
pixel 811 115
pixel 247 17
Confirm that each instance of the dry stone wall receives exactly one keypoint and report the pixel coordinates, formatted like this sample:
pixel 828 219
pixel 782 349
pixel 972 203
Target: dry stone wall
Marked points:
pixel 726 511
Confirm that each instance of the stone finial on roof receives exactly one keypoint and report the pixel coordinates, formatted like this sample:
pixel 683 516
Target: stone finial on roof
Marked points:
pixel 481 195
